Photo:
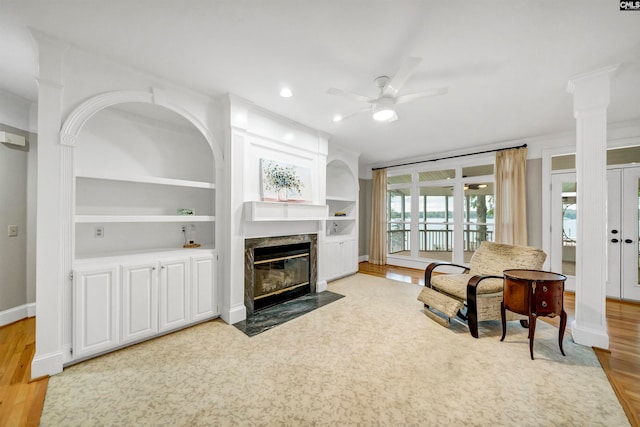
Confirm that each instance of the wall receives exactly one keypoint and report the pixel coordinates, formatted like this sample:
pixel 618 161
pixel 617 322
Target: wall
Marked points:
pixel 17 206
pixel 13 211
pixel 534 205
pixel 365 217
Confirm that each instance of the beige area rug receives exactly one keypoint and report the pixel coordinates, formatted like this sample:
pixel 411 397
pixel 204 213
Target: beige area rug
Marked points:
pixel 371 358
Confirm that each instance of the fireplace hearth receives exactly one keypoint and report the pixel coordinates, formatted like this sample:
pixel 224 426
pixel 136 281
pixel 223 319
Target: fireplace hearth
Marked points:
pixel 278 269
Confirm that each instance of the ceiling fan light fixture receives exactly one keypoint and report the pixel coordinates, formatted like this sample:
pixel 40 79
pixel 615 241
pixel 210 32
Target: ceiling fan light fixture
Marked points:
pixel 384 111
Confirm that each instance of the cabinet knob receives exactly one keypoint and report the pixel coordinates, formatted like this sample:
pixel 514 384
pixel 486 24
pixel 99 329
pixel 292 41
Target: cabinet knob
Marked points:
pixel 628 241
pixel 544 289
pixel 153 268
pixel 162 267
pixel 614 231
pixel 614 240
pixel 544 304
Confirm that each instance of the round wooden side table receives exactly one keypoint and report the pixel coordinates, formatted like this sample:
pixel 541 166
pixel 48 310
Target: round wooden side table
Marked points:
pixel 534 293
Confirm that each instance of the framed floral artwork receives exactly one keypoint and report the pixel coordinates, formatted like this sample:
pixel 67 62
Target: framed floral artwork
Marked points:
pixel 284 182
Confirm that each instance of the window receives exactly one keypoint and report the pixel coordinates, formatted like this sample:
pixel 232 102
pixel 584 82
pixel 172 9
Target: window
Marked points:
pixel 441 214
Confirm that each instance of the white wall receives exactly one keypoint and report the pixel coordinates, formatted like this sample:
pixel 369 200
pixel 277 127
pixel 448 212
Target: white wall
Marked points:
pixel 17 207
pixel 13 211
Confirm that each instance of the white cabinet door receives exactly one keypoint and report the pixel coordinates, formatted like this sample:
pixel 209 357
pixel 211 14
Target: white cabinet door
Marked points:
pixel 139 302
pixel 330 260
pixel 174 293
pixel 349 257
pixel 204 302
pixel 95 310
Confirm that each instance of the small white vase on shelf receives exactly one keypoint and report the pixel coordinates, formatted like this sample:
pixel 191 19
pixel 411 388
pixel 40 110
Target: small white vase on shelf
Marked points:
pixel 282 195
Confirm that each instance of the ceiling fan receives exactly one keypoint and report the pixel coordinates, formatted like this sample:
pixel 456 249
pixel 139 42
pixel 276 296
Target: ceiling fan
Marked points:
pixel 383 106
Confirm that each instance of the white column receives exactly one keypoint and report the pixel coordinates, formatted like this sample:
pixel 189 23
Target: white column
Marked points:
pixel 233 308
pixel 50 277
pixel 590 100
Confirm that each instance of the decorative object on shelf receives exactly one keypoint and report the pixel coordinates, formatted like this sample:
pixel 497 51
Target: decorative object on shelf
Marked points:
pixel 340 213
pixel 186 211
pixel 284 182
pixel 191 244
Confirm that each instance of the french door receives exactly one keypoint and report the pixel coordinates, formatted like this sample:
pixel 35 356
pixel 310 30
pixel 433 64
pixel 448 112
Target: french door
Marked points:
pixel 623 246
pixel 623 250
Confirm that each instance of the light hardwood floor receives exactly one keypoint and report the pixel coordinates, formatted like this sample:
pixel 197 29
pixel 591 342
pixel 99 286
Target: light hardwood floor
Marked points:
pixel 21 401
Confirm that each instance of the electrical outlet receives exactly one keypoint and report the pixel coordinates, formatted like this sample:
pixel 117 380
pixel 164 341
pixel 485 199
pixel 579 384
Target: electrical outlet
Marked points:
pixel 12 230
pixel 99 232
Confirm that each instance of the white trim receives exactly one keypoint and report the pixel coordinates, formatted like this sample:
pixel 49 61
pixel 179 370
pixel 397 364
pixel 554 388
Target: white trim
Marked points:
pixel 45 365
pixel 590 337
pixel 321 286
pixel 234 314
pixel 363 258
pixel 17 313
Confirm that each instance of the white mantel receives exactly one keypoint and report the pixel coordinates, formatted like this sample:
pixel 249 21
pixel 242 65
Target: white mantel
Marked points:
pixel 282 211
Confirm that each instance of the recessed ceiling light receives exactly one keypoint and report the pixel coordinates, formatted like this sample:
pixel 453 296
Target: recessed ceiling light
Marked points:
pixel 285 92
pixel 337 118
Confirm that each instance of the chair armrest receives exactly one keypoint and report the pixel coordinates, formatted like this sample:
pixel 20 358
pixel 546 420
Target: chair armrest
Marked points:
pixel 431 267
pixel 472 284
pixel 472 306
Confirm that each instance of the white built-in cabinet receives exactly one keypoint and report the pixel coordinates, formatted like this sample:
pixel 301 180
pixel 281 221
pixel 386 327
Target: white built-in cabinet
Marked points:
pixel 139 302
pixel 136 169
pixel 339 246
pixel 96 293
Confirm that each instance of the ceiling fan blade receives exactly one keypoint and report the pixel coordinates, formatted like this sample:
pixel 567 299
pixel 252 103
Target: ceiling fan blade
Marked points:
pixel 406 69
pixel 355 113
pixel 413 96
pixel 354 96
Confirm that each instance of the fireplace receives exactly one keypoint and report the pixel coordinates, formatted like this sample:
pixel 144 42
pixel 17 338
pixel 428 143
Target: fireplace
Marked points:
pixel 278 269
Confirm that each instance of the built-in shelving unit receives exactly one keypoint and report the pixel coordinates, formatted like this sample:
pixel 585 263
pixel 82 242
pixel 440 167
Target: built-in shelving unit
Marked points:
pixel 144 186
pixel 134 177
pixel 339 245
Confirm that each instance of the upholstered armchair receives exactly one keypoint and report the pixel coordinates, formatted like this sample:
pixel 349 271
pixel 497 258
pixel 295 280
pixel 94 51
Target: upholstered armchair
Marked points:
pixel 479 286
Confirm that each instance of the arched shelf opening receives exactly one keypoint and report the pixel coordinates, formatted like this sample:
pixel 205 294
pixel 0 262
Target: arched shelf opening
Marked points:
pixel 144 180
pixel 342 194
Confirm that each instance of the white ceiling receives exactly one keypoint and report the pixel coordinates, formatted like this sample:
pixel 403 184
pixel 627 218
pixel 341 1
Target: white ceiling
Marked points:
pixel 506 62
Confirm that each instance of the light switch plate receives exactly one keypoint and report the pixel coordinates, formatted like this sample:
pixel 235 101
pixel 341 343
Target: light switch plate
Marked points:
pixel 12 230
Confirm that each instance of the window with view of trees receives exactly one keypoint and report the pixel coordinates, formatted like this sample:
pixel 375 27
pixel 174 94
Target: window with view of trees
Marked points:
pixel 442 214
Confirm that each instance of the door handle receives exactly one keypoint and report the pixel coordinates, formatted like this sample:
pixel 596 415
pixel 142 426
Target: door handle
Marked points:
pixel 614 240
pixel 628 241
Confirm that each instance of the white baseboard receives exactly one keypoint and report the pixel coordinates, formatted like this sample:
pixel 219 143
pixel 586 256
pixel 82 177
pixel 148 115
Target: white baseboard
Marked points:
pixel 363 258
pixel 234 314
pixel 47 364
pixel 590 337
pixel 17 313
pixel 321 286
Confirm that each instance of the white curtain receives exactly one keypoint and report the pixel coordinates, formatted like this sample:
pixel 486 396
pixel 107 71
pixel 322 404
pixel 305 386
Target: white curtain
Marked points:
pixel 378 231
pixel 511 197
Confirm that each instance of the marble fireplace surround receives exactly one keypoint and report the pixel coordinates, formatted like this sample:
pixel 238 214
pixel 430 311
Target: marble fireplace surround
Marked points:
pixel 262 242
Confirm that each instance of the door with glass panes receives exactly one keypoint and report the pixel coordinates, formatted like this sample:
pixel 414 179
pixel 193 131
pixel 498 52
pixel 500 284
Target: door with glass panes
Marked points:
pixel 623 251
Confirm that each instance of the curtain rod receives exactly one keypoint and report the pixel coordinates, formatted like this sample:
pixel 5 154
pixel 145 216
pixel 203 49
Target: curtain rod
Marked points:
pixel 450 157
